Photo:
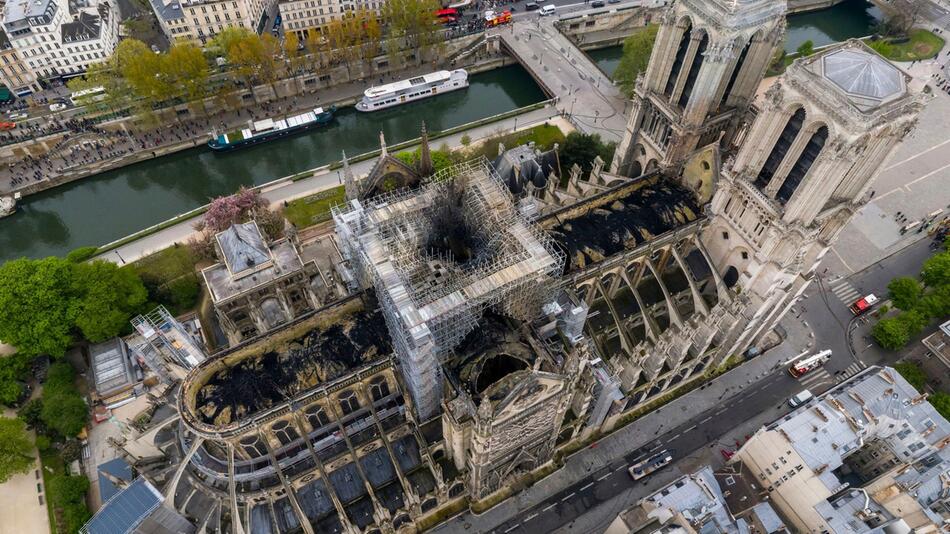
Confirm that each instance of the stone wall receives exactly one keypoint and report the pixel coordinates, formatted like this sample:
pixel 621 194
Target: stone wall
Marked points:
pixel 799 6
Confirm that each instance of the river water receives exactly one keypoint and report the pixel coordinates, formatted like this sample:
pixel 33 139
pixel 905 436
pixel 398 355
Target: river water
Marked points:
pixel 851 18
pixel 100 209
pixel 97 210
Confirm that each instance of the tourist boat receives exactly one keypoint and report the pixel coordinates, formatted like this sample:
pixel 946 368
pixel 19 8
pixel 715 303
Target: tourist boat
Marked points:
pixel 267 129
pixel 8 205
pixel 394 94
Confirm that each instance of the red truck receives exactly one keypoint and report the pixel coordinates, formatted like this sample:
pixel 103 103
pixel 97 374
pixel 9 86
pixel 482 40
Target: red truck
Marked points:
pixel 863 304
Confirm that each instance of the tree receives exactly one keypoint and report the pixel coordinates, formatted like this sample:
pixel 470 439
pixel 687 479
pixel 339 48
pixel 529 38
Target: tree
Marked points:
pixel 806 49
pixel 941 402
pixel 314 44
pixel 13 371
pixel 68 493
pixel 913 321
pixel 890 333
pixel 292 53
pixel 186 67
pixel 16 449
pixel 636 57
pixel 64 410
pixel 31 414
pixel 232 209
pixel 81 254
pixel 936 270
pixel 913 374
pixel 412 24
pixel 936 304
pixel 905 292
pixel 36 315
pixel 581 149
pixel 142 69
pixel 107 297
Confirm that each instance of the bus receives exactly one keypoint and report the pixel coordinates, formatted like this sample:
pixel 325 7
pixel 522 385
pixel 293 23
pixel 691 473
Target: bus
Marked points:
pixel 809 363
pixel 447 15
pixel 86 96
pixel 651 464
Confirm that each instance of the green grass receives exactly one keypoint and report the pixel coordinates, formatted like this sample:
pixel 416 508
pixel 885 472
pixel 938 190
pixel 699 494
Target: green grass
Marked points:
pixel 921 44
pixel 170 277
pixel 543 135
pixel 51 461
pixel 315 208
pixel 166 264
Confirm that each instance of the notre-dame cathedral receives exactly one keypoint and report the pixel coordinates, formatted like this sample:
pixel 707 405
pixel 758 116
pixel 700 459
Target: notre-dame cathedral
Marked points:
pixel 496 311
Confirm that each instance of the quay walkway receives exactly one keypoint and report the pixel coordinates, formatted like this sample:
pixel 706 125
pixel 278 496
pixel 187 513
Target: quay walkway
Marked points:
pixel 585 94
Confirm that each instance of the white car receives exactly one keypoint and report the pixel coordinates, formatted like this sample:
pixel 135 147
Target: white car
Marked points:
pixel 548 9
pixel 18 116
pixel 57 106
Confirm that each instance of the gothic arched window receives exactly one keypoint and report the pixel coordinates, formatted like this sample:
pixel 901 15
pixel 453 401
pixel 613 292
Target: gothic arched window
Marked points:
pixel 317 416
pixel 678 60
pixel 285 432
pixel 780 148
pixel 253 447
pixel 805 161
pixel 379 388
pixel 348 402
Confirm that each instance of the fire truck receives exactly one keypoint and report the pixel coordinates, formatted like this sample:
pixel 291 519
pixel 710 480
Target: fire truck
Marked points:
pixel 863 304
pixel 809 363
pixel 496 18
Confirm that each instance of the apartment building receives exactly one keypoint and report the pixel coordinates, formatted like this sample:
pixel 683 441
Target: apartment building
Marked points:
pixel 14 73
pixel 201 20
pixel 299 16
pixel 870 455
pixel 58 38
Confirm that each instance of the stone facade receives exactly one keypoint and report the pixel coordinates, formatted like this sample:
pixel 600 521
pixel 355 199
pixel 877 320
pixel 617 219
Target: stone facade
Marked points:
pixel 706 64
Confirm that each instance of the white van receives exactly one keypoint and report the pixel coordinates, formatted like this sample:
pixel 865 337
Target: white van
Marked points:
pixel 548 9
pixel 800 399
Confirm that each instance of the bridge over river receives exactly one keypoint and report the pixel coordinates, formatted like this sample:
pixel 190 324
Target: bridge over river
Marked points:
pixel 584 92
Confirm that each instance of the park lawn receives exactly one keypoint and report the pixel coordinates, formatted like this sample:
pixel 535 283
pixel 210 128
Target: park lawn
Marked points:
pixel 315 208
pixel 922 45
pixel 543 135
pixel 167 264
pixel 52 465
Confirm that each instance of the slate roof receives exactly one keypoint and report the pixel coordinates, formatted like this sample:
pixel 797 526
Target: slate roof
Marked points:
pixel 85 28
pixel 243 247
pixel 125 510
pixel 867 79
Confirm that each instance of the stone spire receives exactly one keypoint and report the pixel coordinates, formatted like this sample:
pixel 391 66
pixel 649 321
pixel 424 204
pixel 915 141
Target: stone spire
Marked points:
pixel 424 166
pixel 350 187
pixel 382 145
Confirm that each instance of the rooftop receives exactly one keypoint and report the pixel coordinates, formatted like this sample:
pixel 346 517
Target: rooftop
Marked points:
pixel 248 261
pixel 236 385
pixel 865 77
pixel 111 367
pixel 168 10
pixel 21 10
pixel 653 207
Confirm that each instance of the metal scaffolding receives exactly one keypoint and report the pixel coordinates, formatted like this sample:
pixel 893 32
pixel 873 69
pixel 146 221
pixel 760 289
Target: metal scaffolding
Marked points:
pixel 162 340
pixel 432 299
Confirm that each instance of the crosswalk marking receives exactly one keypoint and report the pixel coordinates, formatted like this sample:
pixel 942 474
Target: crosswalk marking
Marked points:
pixel 850 371
pixel 815 378
pixel 845 292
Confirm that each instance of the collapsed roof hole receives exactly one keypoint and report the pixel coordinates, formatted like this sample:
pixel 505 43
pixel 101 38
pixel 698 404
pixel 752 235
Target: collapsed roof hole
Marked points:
pixel 496 368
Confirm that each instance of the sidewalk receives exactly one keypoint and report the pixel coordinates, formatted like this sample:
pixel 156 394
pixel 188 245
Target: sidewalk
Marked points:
pixel 284 190
pixel 641 432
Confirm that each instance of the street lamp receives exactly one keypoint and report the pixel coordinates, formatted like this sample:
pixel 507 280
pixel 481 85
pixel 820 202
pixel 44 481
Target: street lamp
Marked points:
pixel 120 256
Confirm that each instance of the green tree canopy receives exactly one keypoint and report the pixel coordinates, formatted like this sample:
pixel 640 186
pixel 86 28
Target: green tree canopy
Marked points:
pixel 936 270
pixel 941 402
pixel 806 49
pixel 13 370
pixel 16 449
pixel 890 333
pixel 108 296
pixel 36 312
pixel 63 409
pixel 69 495
pixel 581 149
pixel 636 57
pixel 905 292
pixel 913 374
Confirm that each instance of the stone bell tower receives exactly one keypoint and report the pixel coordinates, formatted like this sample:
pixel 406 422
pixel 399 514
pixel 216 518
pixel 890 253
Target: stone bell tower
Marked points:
pixel 823 134
pixel 707 61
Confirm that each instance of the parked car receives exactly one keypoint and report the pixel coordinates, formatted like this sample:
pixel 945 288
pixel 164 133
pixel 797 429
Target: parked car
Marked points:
pixel 800 398
pixel 6 126
pixel 613 1
pixel 18 116
pixel 531 6
pixel 548 9
pixel 597 3
pixel 57 106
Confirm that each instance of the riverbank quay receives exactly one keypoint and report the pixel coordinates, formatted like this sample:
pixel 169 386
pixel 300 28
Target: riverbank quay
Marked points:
pixel 180 229
pixel 123 148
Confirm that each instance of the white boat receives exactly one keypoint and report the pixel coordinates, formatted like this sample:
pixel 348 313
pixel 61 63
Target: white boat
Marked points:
pixel 396 93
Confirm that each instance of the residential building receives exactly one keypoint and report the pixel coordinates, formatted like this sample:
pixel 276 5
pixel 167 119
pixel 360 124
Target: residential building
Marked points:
pixel 700 502
pixel 14 72
pixel 939 344
pixel 299 16
pixel 58 38
pixel 201 20
pixel 868 455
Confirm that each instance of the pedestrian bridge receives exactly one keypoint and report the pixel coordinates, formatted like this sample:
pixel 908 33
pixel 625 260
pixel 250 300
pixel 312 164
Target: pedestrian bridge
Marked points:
pixel 584 93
